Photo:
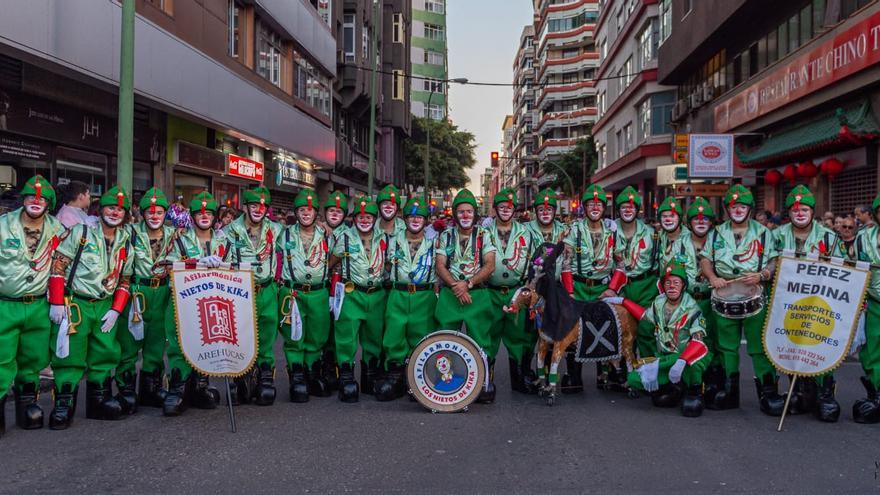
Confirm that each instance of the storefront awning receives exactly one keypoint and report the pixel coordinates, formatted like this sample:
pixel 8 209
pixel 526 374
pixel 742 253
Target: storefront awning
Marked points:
pixel 845 128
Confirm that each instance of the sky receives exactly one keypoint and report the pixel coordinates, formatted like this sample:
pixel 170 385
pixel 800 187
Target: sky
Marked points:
pixel 483 36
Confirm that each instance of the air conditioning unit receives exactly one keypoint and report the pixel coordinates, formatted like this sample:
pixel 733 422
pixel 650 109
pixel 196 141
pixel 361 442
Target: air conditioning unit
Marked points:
pixel 696 99
pixel 708 93
pixel 676 112
pixel 681 107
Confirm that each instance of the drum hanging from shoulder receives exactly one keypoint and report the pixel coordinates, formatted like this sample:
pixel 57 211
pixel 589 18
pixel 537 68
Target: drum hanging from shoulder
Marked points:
pixel 738 301
pixel 446 371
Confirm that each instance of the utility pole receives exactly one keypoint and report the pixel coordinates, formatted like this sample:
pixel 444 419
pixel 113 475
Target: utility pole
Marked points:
pixel 125 131
pixel 371 169
pixel 428 125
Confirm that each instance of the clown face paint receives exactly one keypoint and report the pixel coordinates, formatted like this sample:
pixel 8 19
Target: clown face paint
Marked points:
pixel 627 212
pixel 504 211
pixel 334 216
pixel 205 220
pixel 465 216
pixel 33 208
pixel 801 216
pixel 256 212
pixel 545 214
pixel 155 220
pixel 113 216
pixel 669 221
pixel 364 222
pixel 415 223
pixel 701 227
pixel 387 210
pixel 672 287
pixel 595 210
pixel 306 215
pixel 739 212
pixel 444 365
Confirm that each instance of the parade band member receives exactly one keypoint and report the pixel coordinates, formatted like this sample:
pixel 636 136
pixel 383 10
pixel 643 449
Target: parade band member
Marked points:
pixel 388 200
pixel 207 246
pixel 304 252
pixel 28 238
pixel 335 210
pixel 465 260
pixel 253 240
pixel 514 242
pixel 681 355
pixel 867 410
pixel 805 235
pixel 409 312
pixel 89 288
pixel 151 240
pixel 742 250
pixel 360 252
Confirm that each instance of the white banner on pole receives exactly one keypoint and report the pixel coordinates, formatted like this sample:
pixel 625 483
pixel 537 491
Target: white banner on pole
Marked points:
pixel 711 156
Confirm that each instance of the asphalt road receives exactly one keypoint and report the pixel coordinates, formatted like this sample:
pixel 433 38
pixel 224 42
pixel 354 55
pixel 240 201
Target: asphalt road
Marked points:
pixel 593 442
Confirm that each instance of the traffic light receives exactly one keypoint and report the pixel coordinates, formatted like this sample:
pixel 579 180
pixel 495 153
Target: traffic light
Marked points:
pixel 574 205
pixel 494 157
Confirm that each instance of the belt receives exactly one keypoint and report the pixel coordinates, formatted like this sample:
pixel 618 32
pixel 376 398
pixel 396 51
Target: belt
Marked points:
pixel 153 283
pixel 368 289
pixel 590 282
pixel 90 298
pixel 413 288
pixel 265 284
pixel 503 289
pixel 639 277
pixel 306 288
pixel 27 298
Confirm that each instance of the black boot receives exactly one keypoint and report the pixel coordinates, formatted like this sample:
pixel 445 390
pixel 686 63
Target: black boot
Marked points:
pixel 529 377
pixel 369 374
pixel 487 395
pixel 827 408
pixel 299 387
pixel 317 385
pixel 867 410
pixel 100 403
pixel 127 396
pixel 177 397
pixel 242 388
pixel 264 394
pixel 572 381
pixel 692 405
pixel 329 371
pixel 772 403
pixel 392 385
pixel 713 382
pixel 28 415
pixel 204 395
pixel 516 379
pixel 803 400
pixel 65 408
pixel 601 376
pixel 617 378
pixel 667 395
pixel 150 391
pixel 728 396
pixel 348 387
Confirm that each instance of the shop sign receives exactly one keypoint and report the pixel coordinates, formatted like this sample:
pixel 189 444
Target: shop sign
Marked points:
pixel 13 147
pixel 193 155
pixel 850 51
pixel 291 173
pixel 711 156
pixel 245 168
pixel 704 190
pixel 680 148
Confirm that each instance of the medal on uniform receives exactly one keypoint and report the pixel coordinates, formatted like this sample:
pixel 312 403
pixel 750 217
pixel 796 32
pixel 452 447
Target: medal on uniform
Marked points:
pixel 349 287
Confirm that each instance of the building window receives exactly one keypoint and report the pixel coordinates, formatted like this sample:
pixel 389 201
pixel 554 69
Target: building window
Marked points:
pixel 806 24
pixel 665 19
pixel 399 29
pixel 234 28
pixel 628 74
pixel 627 138
pixel 570 23
pixel 397 86
pixel 365 43
pixel 688 7
pixel 311 85
pixel 644 120
pixel 434 32
pixel 436 58
pixel 269 50
pixel 619 144
pixel 433 111
pixel 348 37
pixel 648 43
pixel 793 38
pixel 661 113
pixel 435 6
pixel 433 85
pixel 166 6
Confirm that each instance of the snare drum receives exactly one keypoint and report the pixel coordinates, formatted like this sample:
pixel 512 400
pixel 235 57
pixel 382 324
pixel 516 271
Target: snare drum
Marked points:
pixel 446 371
pixel 738 301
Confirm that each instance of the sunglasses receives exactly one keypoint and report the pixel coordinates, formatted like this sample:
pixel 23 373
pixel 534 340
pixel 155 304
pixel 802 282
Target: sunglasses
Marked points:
pixel 847 227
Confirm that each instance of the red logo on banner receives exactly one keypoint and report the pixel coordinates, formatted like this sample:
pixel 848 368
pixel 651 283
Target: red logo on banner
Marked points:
pixel 217 316
pixel 245 168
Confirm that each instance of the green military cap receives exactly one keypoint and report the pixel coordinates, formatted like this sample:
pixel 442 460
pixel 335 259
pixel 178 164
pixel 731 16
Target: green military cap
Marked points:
pixel 628 195
pixel 338 200
pixel 670 204
pixel 545 197
pixel 39 187
pixel 416 206
pixel 676 268
pixel 388 193
pixel 464 197
pixel 306 197
pixel 800 195
pixel 876 203
pixel 363 204
pixel 700 207
pixel 594 191
pixel 505 195
pixel 116 196
pixel 739 193
pixel 203 201
pixel 153 196
pixel 257 195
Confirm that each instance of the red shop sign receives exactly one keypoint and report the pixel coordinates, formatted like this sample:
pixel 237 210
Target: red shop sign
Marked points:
pixel 245 168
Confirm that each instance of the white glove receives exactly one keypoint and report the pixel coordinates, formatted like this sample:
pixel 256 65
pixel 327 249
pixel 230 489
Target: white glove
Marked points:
pixel 676 371
pixel 62 342
pixel 109 320
pixel 296 323
pixel 648 374
pixel 57 312
pixel 211 261
pixel 136 329
pixel 613 300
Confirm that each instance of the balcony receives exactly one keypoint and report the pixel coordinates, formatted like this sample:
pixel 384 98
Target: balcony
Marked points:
pixel 566 92
pixel 570 38
pixel 561 120
pixel 589 60
pixel 555 147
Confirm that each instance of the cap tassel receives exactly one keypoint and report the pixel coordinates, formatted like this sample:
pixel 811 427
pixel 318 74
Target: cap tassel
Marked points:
pixel 797 202
pixel 204 206
pixel 632 202
pixel 310 200
pixel 337 202
pixel 700 213
pixel 39 188
pixel 363 207
pixel 546 201
pixel 153 204
pixel 262 203
pixel 733 199
pixel 120 198
pixel 394 199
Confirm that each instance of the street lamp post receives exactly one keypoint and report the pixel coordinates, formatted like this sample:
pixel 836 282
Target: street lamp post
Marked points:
pixel 459 80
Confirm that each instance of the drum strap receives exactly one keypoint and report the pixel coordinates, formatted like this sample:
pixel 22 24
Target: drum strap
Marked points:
pixel 287 255
pixel 654 252
pixel 761 252
pixel 522 278
pixel 228 249
pixel 180 247
pixel 76 258
pixel 347 259
pixel 450 240
pixel 396 261
pixel 577 251
pixel 714 238
pixel 326 255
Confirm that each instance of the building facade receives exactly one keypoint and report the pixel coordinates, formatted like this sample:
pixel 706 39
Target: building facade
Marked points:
pixel 797 85
pixel 429 59
pixel 518 168
pixel 228 94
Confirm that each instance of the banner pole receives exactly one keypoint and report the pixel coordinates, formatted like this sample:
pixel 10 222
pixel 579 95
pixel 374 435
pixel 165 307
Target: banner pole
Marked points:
pixel 229 403
pixel 787 400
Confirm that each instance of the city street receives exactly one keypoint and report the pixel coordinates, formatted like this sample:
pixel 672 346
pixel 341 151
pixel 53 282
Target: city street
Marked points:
pixel 594 442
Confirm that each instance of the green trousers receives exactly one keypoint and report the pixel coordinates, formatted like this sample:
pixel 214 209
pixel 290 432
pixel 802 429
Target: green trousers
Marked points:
pixel 643 292
pixel 476 316
pixel 582 292
pixel 361 318
pixel 509 328
pixel 692 374
pixel 869 355
pixel 409 317
pixel 711 337
pixel 729 335
pixel 314 311
pixel 176 360
pixel 24 342
pixel 90 349
pixel 267 323
pixel 152 346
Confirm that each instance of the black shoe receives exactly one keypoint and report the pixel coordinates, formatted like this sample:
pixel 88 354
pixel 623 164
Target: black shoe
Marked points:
pixel 204 395
pixel 617 378
pixel 516 379
pixel 329 371
pixel 601 376
pixel 692 405
pixel 100 403
pixel 572 381
pixel 392 385
pixel 803 400
pixel 348 387
pixel 772 403
pixel 827 408
pixel 529 377
pixel 713 382
pixel 666 396
pixel 317 385
pixel 867 410
pixel 728 396
pixel 178 395
pixel 127 396
pixel 264 394
pixel 299 387
pixel 28 414
pixel 150 391
pixel 242 388
pixel 370 372
pixel 65 408
pixel 487 395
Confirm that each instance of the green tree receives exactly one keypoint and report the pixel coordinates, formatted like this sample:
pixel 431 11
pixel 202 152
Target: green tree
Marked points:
pixel 583 158
pixel 452 154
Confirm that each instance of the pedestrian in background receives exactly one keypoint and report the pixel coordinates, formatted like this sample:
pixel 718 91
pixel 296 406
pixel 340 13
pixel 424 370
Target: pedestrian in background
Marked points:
pixel 77 200
pixel 863 217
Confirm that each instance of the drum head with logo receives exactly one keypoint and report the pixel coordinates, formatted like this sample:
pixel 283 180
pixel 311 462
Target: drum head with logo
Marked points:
pixel 446 371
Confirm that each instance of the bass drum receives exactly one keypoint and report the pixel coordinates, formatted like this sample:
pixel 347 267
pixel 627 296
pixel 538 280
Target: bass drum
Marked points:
pixel 446 371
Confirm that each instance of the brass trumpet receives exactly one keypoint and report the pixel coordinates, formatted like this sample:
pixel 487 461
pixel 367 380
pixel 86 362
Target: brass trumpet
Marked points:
pixel 285 309
pixel 70 305
pixel 138 300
